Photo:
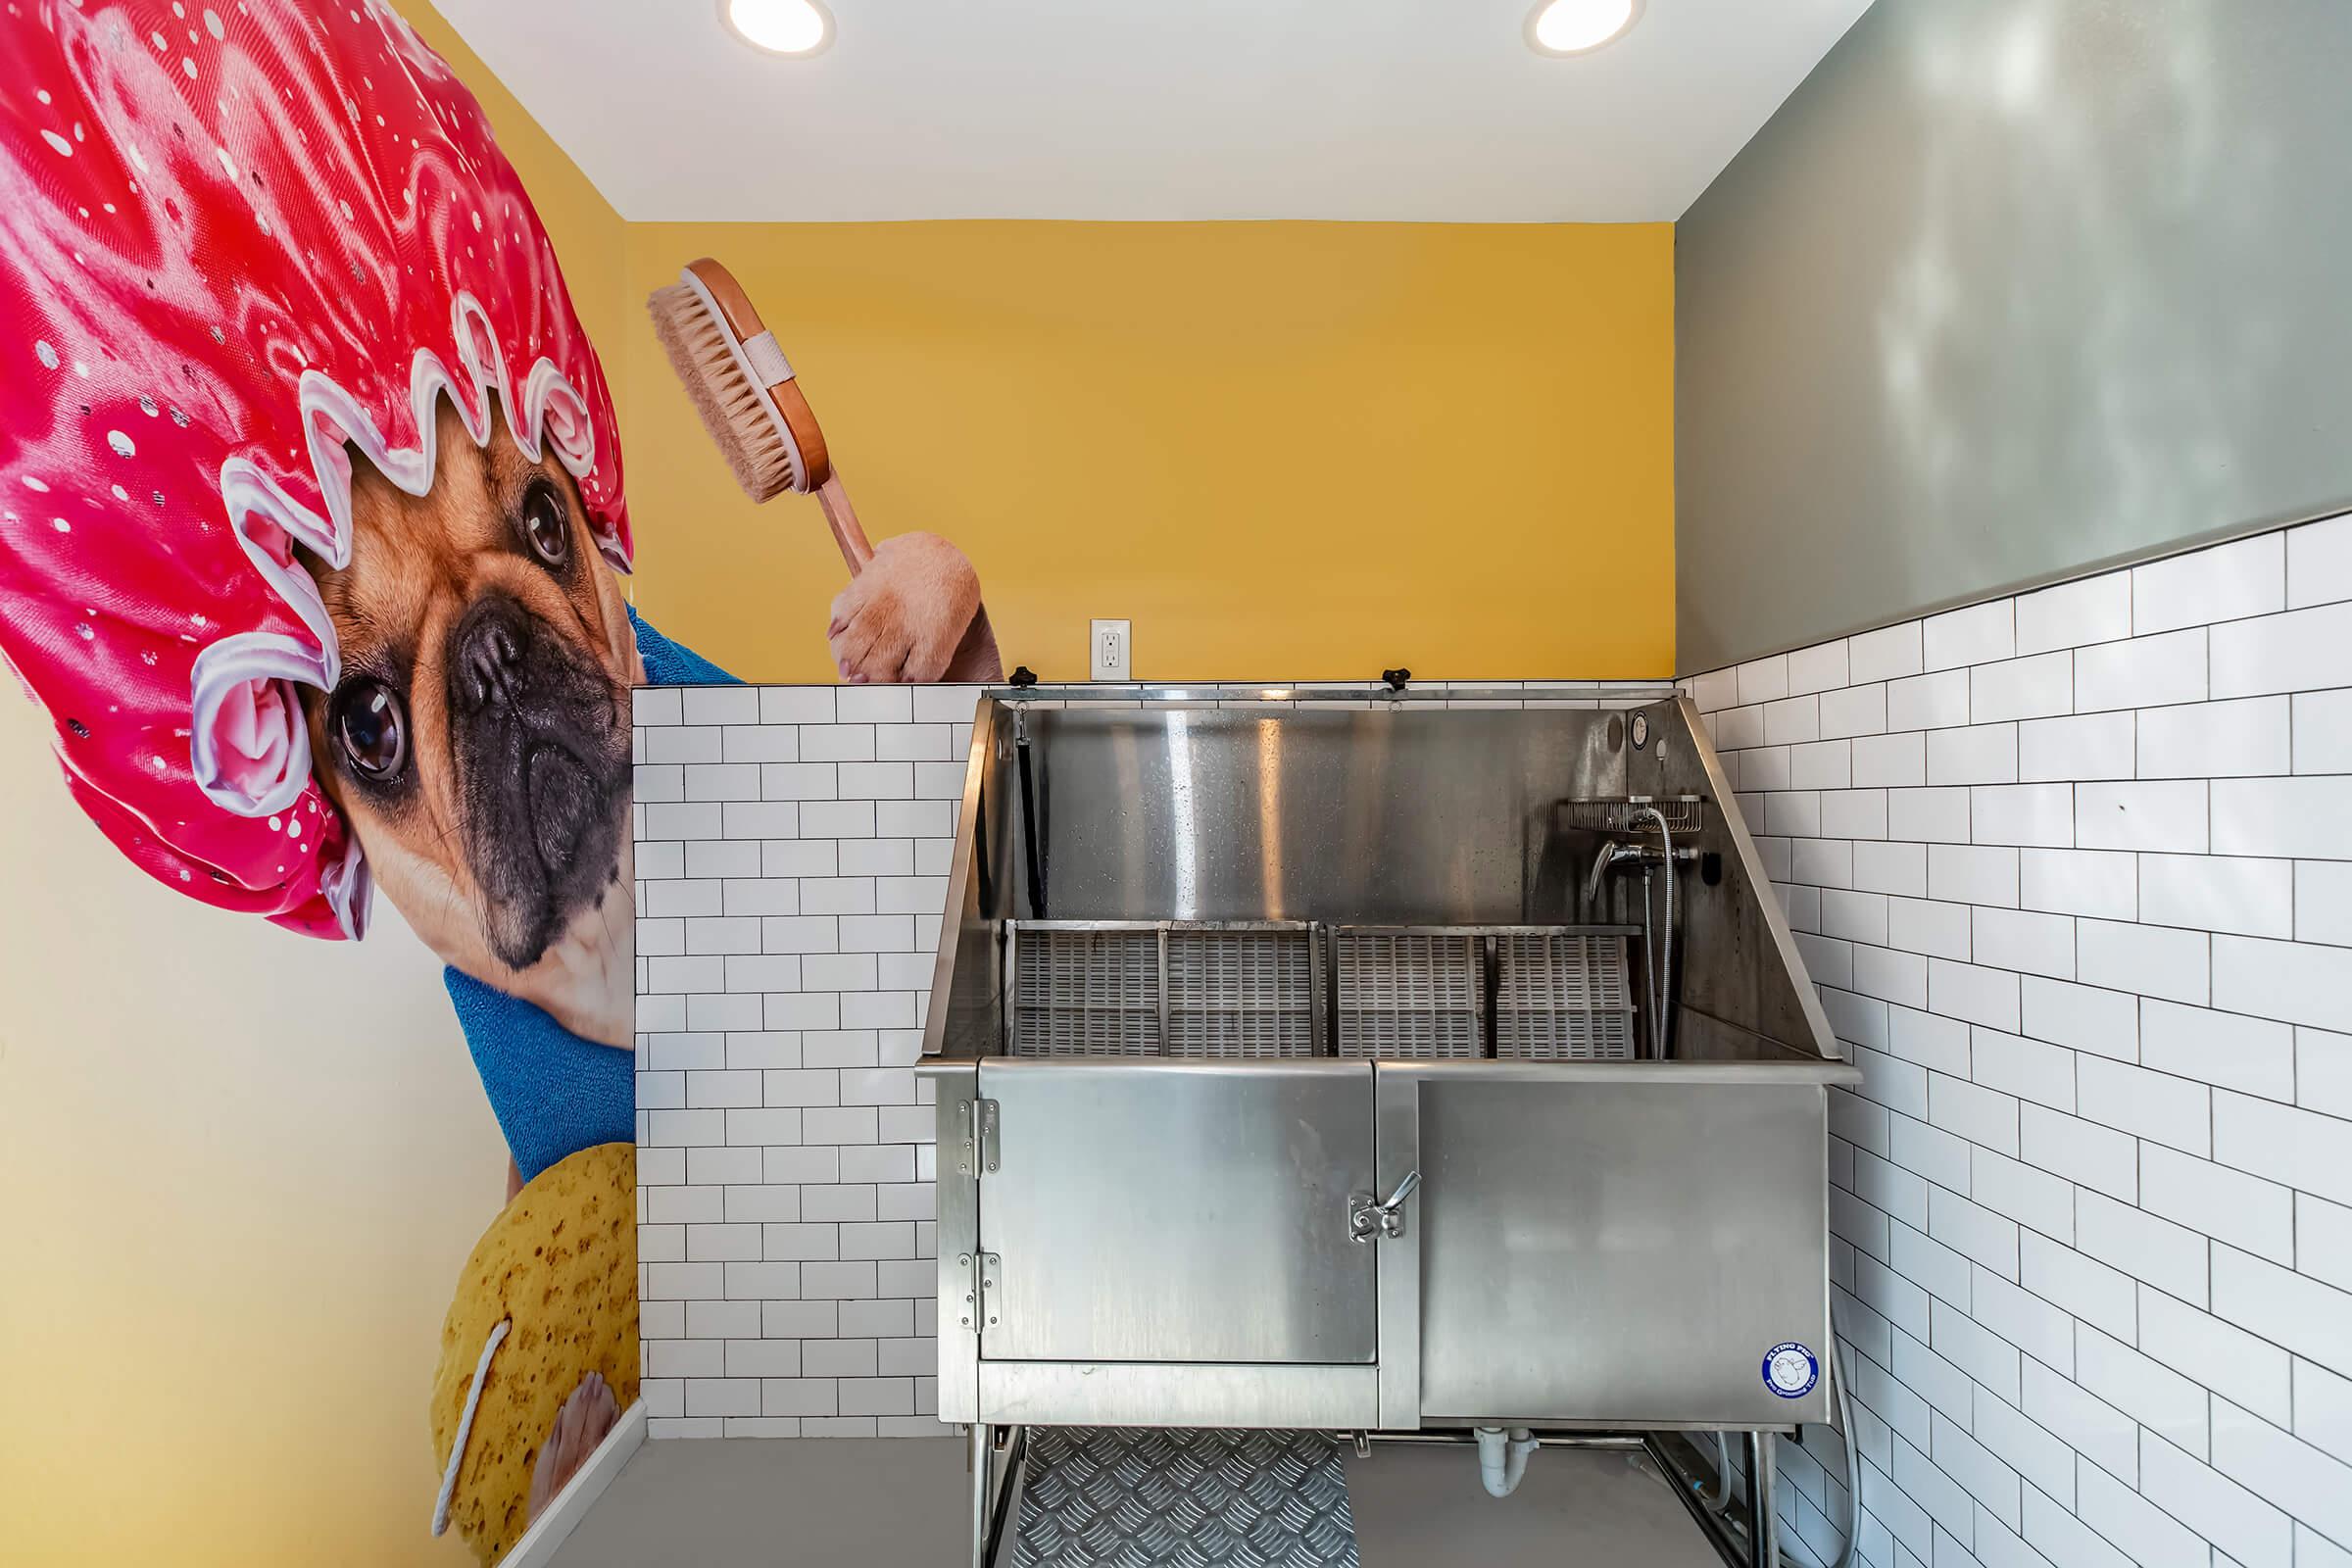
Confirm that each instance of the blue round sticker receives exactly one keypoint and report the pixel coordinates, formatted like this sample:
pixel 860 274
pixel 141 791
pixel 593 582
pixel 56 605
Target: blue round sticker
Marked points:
pixel 1790 1370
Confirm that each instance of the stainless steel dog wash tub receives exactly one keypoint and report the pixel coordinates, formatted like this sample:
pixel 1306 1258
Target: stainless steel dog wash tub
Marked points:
pixel 1372 1070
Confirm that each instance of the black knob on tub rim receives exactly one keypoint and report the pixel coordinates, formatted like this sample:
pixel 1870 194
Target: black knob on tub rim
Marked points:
pixel 1396 678
pixel 1023 675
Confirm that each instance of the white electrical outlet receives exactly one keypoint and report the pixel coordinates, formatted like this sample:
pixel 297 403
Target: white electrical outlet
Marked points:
pixel 1108 651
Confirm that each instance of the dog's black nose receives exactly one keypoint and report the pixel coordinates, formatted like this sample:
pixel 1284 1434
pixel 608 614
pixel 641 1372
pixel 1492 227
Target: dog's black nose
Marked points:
pixel 485 654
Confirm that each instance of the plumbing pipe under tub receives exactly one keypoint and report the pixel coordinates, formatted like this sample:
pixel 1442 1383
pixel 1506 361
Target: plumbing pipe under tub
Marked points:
pixel 1502 1458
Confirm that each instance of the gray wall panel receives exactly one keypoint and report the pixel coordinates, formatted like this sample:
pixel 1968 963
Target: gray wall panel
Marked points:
pixel 2006 290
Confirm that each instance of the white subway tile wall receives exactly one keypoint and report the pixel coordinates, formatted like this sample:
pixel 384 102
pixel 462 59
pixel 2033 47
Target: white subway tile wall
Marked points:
pixel 2092 1209
pixel 792 857
pixel 792 854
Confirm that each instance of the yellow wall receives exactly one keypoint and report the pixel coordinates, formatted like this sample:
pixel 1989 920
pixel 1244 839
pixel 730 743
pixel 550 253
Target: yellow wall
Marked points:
pixel 1285 451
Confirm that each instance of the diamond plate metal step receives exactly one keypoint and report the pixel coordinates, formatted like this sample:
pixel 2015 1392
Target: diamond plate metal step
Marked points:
pixel 1147 1498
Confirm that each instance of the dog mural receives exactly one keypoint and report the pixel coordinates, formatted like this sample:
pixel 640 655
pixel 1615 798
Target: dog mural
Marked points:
pixel 477 737
pixel 311 507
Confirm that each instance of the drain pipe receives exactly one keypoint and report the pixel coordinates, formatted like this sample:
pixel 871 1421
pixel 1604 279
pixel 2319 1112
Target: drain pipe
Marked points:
pixel 1502 1458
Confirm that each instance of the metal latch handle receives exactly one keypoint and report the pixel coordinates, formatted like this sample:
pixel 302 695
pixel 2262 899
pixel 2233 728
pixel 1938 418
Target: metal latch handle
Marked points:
pixel 1368 1216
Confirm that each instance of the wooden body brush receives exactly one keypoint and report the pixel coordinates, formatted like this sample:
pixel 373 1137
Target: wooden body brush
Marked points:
pixel 744 388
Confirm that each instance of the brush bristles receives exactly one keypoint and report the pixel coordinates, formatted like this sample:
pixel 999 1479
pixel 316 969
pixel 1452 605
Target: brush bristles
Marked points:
pixel 756 446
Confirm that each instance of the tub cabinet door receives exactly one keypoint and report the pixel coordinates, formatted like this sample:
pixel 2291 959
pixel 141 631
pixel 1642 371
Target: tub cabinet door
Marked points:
pixel 1170 1212
pixel 1639 1245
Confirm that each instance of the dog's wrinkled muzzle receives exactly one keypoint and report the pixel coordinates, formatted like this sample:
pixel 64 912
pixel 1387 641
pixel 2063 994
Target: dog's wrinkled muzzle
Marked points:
pixel 541 761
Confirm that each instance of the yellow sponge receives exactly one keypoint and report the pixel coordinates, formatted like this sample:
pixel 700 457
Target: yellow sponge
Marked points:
pixel 559 1265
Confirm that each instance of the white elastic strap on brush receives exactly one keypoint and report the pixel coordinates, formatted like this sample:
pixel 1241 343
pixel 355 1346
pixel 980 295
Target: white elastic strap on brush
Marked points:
pixel 749 357
pixel 457 1449
pixel 767 359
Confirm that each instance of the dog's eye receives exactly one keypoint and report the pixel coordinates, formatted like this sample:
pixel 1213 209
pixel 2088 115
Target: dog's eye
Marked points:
pixel 371 724
pixel 546 526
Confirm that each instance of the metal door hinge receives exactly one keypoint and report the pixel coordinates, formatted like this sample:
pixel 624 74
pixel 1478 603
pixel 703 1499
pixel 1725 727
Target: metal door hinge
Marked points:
pixel 978 1153
pixel 976 1156
pixel 980 1302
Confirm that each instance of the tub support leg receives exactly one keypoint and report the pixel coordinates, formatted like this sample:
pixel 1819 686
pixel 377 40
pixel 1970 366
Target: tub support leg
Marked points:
pixel 983 1460
pixel 1763 1522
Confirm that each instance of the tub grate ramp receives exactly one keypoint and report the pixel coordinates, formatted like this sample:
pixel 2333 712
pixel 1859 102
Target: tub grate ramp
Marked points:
pixel 1418 994
pixel 1236 991
pixel 1087 992
pixel 1562 998
pixel 1240 993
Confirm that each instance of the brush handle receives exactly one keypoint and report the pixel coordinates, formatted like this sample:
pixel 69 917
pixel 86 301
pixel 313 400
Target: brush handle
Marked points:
pixel 843 517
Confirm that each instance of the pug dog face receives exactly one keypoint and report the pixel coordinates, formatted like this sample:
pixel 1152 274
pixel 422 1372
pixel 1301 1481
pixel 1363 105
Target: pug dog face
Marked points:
pixel 478 740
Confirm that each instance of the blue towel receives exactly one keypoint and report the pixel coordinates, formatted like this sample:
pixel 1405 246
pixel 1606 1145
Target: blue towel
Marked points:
pixel 555 1093
pixel 668 663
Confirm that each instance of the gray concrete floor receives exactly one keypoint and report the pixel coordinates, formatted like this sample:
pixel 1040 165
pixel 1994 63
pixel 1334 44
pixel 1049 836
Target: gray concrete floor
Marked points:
pixel 901 1504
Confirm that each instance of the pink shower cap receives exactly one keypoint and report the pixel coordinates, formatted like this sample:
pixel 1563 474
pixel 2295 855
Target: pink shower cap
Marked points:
pixel 234 237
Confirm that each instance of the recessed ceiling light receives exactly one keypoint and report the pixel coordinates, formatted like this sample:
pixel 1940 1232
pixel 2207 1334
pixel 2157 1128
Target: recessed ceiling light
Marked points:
pixel 780 27
pixel 1578 27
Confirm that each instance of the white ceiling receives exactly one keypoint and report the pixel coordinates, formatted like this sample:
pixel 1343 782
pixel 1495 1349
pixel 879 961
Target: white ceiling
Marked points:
pixel 1418 109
